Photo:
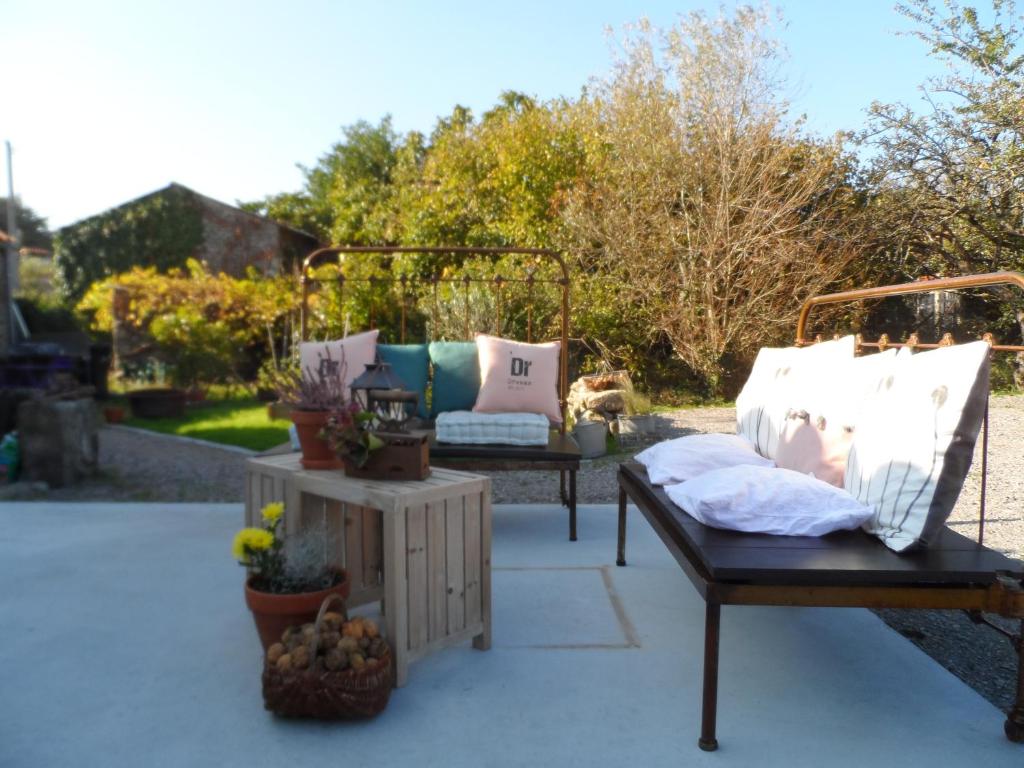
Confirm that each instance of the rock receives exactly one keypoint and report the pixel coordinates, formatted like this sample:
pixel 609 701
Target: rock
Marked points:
pixel 59 440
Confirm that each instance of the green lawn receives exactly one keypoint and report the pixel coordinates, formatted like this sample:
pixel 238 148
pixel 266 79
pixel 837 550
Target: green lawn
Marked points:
pixel 241 422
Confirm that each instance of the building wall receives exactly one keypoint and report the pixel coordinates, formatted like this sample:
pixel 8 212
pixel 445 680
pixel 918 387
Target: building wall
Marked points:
pixel 234 240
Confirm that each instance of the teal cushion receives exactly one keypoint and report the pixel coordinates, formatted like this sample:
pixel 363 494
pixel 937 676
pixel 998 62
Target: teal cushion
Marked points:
pixel 456 376
pixel 411 363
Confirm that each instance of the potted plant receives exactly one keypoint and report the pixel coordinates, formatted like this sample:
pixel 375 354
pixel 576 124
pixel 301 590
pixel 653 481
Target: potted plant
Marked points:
pixel 312 396
pixel 347 432
pixel 288 579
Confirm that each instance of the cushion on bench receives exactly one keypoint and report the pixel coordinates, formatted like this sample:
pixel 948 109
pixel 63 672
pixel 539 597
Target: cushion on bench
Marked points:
pixel 468 428
pixel 673 461
pixel 914 442
pixel 782 380
pixel 456 376
pixel 518 378
pixel 357 351
pixel 411 363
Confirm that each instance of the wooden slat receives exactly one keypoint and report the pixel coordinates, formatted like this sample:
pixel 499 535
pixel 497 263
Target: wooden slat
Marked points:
pixel 483 641
pixel 354 540
pixel 472 559
pixel 455 519
pixel 371 548
pixel 436 565
pixel 334 522
pixel 416 548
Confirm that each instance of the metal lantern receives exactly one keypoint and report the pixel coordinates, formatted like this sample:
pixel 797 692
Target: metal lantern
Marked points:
pixel 380 391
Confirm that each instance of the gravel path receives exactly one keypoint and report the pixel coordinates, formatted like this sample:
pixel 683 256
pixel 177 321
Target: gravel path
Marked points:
pixel 140 467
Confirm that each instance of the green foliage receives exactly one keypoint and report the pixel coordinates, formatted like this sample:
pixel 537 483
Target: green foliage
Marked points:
pixel 33 231
pixel 201 325
pixel 162 230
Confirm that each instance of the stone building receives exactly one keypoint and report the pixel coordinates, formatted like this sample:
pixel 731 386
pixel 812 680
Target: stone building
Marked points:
pixel 169 226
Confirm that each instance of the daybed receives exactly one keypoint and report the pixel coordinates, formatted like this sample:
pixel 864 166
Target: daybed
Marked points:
pixel 843 569
pixel 542 274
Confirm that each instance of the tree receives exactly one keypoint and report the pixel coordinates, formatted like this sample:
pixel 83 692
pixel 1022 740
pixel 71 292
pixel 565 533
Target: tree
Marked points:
pixel 32 228
pixel 707 210
pixel 948 183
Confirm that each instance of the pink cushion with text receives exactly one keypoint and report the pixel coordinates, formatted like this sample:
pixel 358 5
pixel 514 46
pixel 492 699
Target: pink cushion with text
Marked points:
pixel 518 378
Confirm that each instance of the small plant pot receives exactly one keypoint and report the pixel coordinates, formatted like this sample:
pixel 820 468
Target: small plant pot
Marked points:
pixel 273 614
pixel 316 453
pixel 590 436
pixel 157 403
pixel 195 394
pixel 113 414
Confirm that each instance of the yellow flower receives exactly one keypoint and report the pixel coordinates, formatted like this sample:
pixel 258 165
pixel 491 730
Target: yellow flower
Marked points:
pixel 272 512
pixel 250 540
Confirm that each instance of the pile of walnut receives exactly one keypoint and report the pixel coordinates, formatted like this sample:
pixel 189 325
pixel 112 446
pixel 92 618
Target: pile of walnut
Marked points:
pixel 355 645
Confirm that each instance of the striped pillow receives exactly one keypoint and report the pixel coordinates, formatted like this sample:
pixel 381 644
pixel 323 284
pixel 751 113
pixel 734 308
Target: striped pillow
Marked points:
pixel 914 442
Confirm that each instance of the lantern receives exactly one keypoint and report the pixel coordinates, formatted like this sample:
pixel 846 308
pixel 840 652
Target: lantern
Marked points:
pixel 379 391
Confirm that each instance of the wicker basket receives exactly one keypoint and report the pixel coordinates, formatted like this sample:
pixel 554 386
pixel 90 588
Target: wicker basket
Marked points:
pixel 325 694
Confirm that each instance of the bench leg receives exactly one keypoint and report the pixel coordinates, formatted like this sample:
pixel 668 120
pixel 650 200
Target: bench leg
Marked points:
pixel 1014 726
pixel 709 709
pixel 572 505
pixel 561 488
pixel 620 552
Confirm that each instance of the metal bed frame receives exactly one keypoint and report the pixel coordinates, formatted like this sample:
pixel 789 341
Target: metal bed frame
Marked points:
pixel 844 569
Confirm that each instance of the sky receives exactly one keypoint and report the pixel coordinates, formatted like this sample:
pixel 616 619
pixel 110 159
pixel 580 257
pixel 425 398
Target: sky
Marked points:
pixel 106 101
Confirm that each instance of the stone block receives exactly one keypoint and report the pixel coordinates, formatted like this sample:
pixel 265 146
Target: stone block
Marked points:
pixel 59 440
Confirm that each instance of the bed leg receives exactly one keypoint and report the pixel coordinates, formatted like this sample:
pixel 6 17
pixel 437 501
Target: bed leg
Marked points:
pixel 620 552
pixel 572 505
pixel 709 709
pixel 1014 726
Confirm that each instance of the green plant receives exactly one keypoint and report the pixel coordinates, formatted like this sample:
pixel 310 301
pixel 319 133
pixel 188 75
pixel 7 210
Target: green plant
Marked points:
pixel 283 566
pixel 197 350
pixel 348 433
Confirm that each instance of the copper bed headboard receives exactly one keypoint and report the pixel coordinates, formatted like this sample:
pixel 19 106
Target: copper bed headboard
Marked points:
pixel 913 342
pixel 335 255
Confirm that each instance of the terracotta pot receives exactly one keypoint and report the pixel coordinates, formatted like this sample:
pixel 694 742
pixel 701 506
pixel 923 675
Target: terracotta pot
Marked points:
pixel 273 614
pixel 113 414
pixel 316 453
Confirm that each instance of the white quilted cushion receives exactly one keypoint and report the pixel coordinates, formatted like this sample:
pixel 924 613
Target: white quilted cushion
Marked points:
pixel 469 428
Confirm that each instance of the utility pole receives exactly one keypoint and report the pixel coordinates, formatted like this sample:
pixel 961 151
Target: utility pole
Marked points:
pixel 8 266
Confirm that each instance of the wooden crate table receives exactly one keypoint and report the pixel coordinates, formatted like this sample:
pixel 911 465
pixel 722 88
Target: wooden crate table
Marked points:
pixel 423 547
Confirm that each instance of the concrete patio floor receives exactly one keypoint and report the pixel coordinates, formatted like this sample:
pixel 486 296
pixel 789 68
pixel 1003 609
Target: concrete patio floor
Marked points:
pixel 126 642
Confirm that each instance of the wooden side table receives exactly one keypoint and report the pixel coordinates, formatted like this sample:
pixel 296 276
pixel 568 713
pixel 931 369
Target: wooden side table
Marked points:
pixel 424 547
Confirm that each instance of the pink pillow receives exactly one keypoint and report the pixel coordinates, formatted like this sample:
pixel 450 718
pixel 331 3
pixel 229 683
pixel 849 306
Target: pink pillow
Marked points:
pixel 518 378
pixel 358 351
pixel 818 448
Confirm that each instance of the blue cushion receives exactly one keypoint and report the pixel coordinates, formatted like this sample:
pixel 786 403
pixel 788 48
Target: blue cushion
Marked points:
pixel 411 363
pixel 456 376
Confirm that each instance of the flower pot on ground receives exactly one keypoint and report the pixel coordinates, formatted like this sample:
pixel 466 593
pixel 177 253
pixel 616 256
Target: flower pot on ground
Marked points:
pixel 113 414
pixel 278 411
pixel 159 403
pixel 590 436
pixel 289 579
pixel 273 613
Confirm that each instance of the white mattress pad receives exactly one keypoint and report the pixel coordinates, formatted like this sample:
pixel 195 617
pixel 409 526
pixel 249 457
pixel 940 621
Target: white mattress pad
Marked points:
pixel 470 428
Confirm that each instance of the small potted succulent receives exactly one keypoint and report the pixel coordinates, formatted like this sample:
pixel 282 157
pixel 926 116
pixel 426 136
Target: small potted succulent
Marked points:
pixel 289 578
pixel 312 396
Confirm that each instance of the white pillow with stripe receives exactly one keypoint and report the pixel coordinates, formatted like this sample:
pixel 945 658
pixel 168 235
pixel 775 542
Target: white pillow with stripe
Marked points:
pixel 782 379
pixel 914 441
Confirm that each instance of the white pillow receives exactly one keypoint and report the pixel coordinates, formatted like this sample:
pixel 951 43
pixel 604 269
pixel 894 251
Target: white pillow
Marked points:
pixel 673 461
pixel 914 442
pixel 782 379
pixel 357 350
pixel 767 500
